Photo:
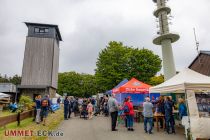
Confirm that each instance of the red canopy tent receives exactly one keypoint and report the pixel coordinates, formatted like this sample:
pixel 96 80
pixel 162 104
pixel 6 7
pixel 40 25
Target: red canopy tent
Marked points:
pixel 133 86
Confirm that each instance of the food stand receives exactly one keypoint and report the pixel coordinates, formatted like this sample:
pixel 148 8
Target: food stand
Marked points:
pixel 196 88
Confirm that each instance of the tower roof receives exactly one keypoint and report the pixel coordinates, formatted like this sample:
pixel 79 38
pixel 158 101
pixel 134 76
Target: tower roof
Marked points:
pixel 45 25
pixel 205 52
pixel 155 1
pixel 200 52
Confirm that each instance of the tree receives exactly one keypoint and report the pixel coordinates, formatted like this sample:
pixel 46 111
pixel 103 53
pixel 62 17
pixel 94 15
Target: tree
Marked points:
pixel 143 64
pixel 88 85
pixel 117 62
pixel 75 84
pixel 15 79
pixel 156 80
pixel 4 79
pixel 68 82
pixel 112 65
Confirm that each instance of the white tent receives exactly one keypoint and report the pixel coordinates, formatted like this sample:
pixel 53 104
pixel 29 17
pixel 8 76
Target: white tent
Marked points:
pixel 189 82
pixel 185 80
pixel 3 95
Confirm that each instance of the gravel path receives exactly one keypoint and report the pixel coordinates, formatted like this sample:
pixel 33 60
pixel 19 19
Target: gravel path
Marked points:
pixel 99 129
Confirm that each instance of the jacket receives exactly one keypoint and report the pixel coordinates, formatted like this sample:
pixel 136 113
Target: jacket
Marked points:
pixel 112 104
pixel 130 107
pixel 182 110
pixel 168 109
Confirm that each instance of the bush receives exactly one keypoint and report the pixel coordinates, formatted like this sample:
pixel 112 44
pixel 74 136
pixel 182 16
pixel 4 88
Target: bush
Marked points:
pixel 25 103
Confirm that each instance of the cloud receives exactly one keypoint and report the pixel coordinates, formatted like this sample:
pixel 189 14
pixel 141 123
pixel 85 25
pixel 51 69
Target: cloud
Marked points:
pixel 88 25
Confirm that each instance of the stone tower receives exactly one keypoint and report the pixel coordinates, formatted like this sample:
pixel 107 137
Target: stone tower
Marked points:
pixel 165 38
pixel 41 60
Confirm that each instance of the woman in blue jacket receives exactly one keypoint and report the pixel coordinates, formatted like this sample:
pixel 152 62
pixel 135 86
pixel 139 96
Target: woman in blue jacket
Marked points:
pixel 182 108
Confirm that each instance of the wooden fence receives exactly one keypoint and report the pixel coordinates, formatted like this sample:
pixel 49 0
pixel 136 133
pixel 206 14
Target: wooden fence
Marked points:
pixel 16 117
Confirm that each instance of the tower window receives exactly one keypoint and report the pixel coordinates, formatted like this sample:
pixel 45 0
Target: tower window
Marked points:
pixel 41 30
pixel 36 30
pixel 46 30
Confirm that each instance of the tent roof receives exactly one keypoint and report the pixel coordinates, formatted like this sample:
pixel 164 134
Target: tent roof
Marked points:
pixel 186 79
pixel 3 95
pixel 132 86
pixel 120 84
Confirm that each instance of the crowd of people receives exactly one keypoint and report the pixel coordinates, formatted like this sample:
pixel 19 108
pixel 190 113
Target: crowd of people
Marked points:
pixel 88 107
pixel 162 106
pixel 85 107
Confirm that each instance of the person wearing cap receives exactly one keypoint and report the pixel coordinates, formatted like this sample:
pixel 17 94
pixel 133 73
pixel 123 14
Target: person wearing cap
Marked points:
pixel 129 113
pixel 148 115
pixel 113 109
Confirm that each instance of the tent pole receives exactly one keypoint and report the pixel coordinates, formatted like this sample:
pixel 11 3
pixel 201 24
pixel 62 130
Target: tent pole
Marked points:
pixel 188 113
pixel 120 99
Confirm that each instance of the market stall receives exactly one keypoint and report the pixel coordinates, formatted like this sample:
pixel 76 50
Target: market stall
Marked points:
pixel 137 90
pixel 196 88
pixel 109 92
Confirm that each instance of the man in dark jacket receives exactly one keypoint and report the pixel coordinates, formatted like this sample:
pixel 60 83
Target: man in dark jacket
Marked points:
pixel 66 107
pixel 169 115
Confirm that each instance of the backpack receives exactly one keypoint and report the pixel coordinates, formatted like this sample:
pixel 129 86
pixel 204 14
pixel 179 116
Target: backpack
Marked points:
pixel 93 102
pixel 126 109
pixel 44 103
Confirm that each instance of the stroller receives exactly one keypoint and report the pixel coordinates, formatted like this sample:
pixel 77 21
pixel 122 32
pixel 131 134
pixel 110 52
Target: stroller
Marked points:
pixel 97 111
pixel 83 111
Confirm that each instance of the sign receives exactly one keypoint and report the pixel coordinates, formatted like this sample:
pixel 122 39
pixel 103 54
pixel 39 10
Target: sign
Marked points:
pixel 203 103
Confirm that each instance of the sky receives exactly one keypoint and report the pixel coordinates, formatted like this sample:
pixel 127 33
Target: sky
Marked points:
pixel 87 26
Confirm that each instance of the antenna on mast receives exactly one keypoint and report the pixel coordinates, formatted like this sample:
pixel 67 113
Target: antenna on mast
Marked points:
pixel 197 45
pixel 196 41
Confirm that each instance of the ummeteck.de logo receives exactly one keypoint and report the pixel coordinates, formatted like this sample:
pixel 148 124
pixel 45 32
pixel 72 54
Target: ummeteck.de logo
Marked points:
pixel 29 133
pixel 18 133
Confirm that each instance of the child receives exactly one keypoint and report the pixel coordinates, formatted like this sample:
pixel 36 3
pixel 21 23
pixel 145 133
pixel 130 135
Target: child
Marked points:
pixel 90 110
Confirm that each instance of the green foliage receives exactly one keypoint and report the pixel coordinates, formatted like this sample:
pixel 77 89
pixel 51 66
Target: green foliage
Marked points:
pixel 156 80
pixel 112 65
pixel 144 64
pixel 14 79
pixel 75 84
pixel 117 62
pixel 25 102
pixel 4 79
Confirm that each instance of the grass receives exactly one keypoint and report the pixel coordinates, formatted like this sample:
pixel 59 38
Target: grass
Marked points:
pixel 6 113
pixel 53 120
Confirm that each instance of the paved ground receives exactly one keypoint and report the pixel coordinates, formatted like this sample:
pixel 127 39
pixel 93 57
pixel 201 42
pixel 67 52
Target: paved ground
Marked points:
pixel 99 129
